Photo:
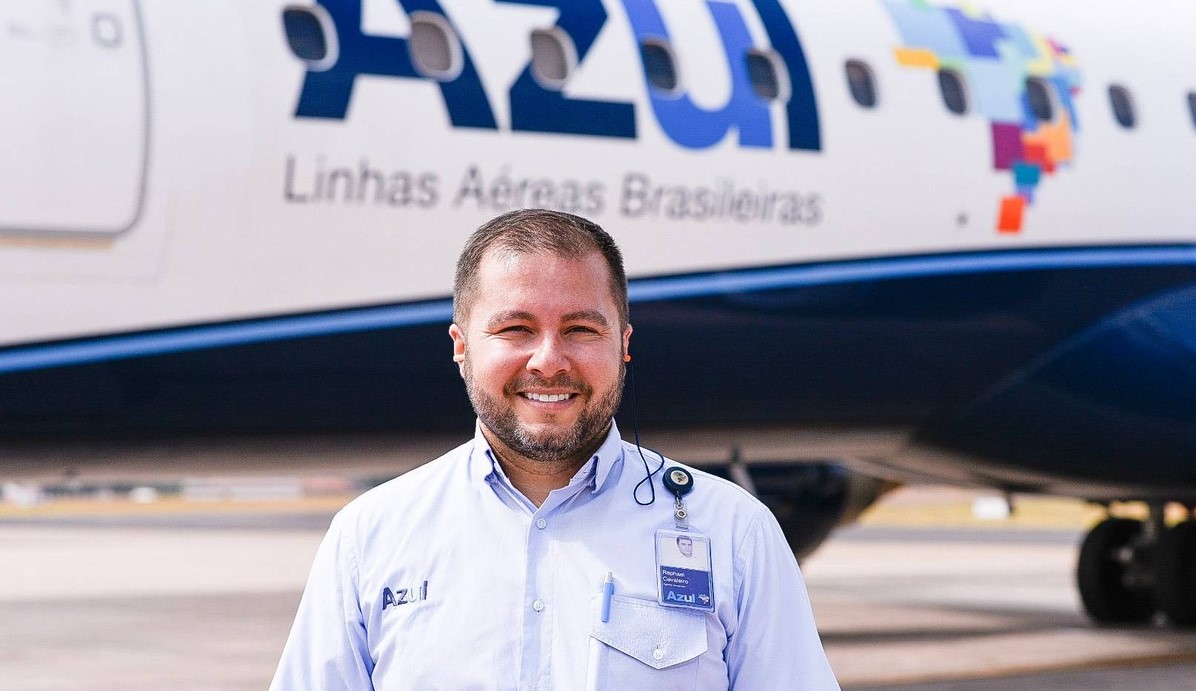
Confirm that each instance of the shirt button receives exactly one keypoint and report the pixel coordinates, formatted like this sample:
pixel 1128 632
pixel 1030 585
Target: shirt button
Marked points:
pixel 538 605
pixel 658 654
pixel 541 523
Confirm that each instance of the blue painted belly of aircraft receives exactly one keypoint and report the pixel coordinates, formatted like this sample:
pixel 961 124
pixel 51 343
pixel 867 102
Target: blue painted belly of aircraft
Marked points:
pixel 1107 405
pixel 1053 364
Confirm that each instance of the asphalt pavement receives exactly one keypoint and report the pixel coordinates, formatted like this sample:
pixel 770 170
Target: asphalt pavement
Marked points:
pixel 190 600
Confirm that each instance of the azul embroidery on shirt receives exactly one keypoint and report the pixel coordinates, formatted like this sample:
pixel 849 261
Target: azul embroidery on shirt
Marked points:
pixel 402 596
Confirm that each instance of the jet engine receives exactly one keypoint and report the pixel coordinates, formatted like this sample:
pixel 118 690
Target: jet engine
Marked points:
pixel 809 500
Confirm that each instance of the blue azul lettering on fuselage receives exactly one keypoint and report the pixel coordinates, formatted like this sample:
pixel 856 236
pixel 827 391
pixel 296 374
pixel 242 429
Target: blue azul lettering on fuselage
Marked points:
pixel 326 94
pixel 685 122
pixel 536 108
pixel 802 110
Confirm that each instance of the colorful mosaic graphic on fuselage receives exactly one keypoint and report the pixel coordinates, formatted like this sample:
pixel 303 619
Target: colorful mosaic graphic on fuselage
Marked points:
pixel 995 60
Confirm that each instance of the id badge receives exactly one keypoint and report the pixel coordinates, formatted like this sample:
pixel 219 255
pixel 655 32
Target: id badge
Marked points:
pixel 683 573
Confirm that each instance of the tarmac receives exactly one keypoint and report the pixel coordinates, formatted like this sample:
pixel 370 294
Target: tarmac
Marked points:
pixel 194 598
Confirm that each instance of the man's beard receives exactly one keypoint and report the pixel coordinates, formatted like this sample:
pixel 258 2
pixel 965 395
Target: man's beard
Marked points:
pixel 500 418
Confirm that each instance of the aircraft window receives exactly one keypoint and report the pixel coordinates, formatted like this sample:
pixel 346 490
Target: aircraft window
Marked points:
pixel 861 83
pixel 1123 106
pixel 1039 95
pixel 434 47
pixel 1192 106
pixel 764 71
pixel 955 96
pixel 553 57
pixel 659 66
pixel 305 34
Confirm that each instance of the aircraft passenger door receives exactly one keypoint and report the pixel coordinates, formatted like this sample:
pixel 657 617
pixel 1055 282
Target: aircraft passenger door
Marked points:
pixel 74 117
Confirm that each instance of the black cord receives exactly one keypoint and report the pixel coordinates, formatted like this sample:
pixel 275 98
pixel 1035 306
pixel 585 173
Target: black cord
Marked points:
pixel 635 427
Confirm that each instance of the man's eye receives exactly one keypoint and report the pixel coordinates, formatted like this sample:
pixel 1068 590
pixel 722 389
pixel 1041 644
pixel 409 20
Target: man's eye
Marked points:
pixel 514 330
pixel 581 330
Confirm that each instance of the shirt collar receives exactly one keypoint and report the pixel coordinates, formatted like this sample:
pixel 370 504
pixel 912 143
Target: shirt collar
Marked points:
pixel 484 467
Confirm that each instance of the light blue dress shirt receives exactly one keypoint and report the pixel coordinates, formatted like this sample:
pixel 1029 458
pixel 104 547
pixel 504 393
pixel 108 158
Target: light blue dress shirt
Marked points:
pixel 449 578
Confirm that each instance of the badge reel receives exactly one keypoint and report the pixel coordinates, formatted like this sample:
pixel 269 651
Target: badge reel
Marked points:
pixel 682 554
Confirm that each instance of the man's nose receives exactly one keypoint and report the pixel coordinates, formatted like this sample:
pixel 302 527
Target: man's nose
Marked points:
pixel 549 358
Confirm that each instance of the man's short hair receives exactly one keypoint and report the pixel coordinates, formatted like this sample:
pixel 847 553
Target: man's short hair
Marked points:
pixel 527 231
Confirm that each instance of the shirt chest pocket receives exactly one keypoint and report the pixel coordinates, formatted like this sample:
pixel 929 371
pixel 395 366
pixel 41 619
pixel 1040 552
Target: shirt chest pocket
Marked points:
pixel 645 646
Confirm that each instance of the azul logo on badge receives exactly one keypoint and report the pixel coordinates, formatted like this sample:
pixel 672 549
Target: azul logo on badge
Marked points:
pixel 685 587
pixel 672 596
pixel 403 596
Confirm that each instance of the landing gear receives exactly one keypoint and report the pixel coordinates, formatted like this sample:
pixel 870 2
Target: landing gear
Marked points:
pixel 1129 570
pixel 1114 586
pixel 1175 574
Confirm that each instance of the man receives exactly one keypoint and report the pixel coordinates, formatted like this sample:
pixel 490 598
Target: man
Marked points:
pixel 526 559
pixel 685 545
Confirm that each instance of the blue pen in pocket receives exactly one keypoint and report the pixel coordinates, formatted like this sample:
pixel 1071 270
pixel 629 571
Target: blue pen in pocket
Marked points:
pixel 608 591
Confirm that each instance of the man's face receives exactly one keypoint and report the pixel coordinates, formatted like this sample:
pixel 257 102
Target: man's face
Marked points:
pixel 543 352
pixel 686 546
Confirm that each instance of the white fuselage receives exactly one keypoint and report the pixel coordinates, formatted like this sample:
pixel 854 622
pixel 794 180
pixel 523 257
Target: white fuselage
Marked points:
pixel 155 172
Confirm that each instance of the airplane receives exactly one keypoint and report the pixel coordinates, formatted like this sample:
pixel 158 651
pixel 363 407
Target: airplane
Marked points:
pixel 869 241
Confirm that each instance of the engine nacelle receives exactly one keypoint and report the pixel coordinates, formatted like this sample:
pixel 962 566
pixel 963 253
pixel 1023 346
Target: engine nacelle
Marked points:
pixel 808 499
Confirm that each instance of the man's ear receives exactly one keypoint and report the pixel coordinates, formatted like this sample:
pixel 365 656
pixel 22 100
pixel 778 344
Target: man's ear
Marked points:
pixel 458 336
pixel 627 341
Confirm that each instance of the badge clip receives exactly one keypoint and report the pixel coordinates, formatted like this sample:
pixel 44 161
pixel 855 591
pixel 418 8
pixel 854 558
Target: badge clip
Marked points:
pixel 680 482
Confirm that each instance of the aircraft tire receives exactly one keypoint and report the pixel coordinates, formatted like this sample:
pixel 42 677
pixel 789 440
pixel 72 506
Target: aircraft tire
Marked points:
pixel 1101 575
pixel 1175 574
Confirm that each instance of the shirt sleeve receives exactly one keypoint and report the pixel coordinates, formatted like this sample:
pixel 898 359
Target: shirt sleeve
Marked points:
pixel 327 649
pixel 775 644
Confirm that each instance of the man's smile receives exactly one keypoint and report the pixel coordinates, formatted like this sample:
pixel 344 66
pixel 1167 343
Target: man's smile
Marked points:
pixel 547 397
